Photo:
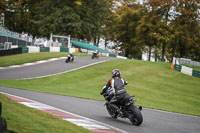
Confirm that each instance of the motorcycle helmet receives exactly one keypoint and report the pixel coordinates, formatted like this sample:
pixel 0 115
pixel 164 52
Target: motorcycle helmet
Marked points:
pixel 116 73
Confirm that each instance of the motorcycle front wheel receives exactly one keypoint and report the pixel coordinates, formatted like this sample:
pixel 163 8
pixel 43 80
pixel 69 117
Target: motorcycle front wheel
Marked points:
pixel 135 116
pixel 111 111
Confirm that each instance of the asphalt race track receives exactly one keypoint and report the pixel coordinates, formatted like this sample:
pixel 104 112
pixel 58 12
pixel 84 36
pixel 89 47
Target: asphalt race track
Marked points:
pixel 154 121
pixel 48 68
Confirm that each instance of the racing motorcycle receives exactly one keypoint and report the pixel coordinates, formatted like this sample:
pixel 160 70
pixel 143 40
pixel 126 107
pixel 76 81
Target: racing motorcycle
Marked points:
pixel 128 110
pixel 95 55
pixel 69 59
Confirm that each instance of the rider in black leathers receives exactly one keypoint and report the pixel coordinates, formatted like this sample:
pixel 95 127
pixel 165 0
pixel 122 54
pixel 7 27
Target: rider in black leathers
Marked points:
pixel 120 95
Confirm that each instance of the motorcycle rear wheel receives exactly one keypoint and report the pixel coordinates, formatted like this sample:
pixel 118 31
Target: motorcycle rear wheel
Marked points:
pixel 136 117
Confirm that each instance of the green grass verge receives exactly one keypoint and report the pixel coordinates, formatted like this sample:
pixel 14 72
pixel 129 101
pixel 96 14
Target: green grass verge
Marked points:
pixel 155 84
pixel 31 57
pixel 23 119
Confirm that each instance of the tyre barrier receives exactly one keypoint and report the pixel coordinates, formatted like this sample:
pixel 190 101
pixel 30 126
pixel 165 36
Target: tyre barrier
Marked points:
pixel 10 51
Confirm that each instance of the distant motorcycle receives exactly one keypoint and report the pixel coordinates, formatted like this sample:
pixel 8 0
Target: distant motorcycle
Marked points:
pixel 95 55
pixel 69 59
pixel 129 110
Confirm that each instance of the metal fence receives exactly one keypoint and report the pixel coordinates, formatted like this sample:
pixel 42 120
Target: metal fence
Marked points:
pixel 188 61
pixel 6 35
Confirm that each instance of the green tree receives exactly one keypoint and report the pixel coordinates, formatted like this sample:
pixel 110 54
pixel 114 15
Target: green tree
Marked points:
pixel 82 19
pixel 186 29
pixel 99 12
pixel 2 6
pixel 147 29
pixel 57 17
pixel 17 15
pixel 126 19
pixel 164 11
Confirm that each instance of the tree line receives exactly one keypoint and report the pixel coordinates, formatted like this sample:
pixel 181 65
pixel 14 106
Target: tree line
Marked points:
pixel 168 28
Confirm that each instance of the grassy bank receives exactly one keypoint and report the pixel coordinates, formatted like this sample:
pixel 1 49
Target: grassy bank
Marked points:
pixel 31 57
pixel 23 119
pixel 155 84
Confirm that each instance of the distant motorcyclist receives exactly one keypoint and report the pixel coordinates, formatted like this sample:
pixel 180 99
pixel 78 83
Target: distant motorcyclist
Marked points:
pixel 70 58
pixel 95 54
pixel 117 83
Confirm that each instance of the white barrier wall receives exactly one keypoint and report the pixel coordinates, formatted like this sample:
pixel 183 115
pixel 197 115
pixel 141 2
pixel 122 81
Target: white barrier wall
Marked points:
pixel 121 57
pixel 54 49
pixel 186 70
pixel 84 50
pixel 104 54
pixel 90 52
pixel 14 46
pixel 72 50
pixel 33 49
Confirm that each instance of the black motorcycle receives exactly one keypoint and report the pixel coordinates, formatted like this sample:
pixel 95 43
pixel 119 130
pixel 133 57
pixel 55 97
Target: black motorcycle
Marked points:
pixel 95 55
pixel 128 110
pixel 69 59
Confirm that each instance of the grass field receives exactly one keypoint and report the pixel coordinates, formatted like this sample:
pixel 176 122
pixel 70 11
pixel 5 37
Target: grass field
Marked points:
pixel 23 119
